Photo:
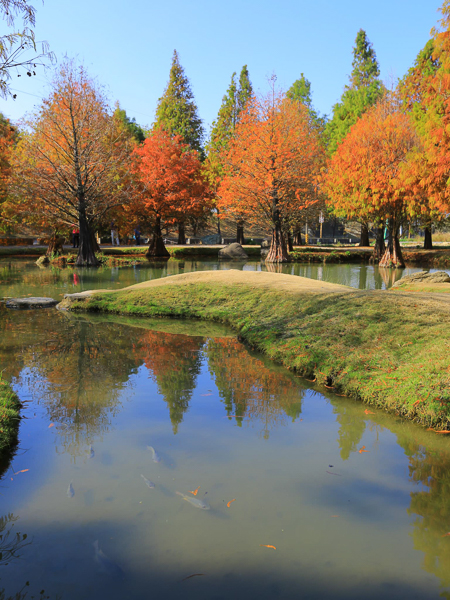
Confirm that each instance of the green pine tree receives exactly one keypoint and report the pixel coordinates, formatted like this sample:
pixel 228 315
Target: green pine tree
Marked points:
pixel 365 90
pixel 300 91
pixel 233 103
pixel 177 112
pixel 130 124
pixel 245 90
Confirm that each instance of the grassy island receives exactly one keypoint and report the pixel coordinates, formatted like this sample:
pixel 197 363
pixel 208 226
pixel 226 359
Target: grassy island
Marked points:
pixel 388 349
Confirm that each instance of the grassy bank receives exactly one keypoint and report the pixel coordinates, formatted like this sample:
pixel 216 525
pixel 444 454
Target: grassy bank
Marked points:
pixel 390 350
pixel 9 416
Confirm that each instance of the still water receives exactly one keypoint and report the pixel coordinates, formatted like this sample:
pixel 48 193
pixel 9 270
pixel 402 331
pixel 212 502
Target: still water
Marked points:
pixel 24 277
pixel 305 494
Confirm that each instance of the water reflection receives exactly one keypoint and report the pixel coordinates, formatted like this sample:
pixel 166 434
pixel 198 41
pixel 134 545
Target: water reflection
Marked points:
pixel 258 436
pixel 249 388
pixel 23 277
pixel 174 363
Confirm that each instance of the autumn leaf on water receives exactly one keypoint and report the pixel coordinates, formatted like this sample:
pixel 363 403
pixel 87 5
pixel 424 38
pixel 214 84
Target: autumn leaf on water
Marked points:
pixel 268 546
pixel 51 425
pixel 369 412
pixel 363 449
pixel 443 431
pixel 446 534
pixel 228 503
pixel 195 491
pixel 22 471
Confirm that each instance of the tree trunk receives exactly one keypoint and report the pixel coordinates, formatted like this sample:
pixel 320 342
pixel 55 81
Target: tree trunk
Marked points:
pixel 219 233
pixel 380 246
pixel 181 233
pixel 364 235
pixel 86 252
pixel 55 246
pixel 392 256
pixel 278 251
pixel 240 233
pixel 157 248
pixel 428 241
pixel 290 242
pixel 298 241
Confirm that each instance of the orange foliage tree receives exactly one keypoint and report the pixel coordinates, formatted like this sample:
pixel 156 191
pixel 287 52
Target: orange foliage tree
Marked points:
pixel 425 92
pixel 169 183
pixel 71 166
pixel 271 166
pixel 8 135
pixel 363 176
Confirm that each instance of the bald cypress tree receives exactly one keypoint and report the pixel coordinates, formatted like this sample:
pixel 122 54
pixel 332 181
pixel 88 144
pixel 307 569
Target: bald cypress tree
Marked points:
pixel 177 112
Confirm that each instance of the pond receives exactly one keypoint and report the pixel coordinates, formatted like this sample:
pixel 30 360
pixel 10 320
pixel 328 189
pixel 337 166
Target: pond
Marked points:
pixel 19 277
pixel 163 459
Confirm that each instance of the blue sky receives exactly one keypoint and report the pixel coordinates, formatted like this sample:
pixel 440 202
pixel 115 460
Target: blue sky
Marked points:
pixel 128 46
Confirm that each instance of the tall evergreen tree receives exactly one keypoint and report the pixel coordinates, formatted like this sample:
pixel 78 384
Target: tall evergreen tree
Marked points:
pixel 222 130
pixel 300 91
pixel 129 124
pixel 177 113
pixel 365 89
pixel 245 90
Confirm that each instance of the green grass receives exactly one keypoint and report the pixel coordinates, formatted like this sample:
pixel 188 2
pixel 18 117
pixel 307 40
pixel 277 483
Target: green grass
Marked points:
pixel 9 416
pixel 388 350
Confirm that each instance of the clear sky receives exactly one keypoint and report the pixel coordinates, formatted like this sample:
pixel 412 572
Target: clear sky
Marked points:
pixel 128 46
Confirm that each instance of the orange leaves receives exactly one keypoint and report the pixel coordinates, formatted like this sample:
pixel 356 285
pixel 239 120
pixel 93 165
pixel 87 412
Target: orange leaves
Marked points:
pixel 51 425
pixel 169 177
pixel 195 492
pixel 362 176
pixel 229 503
pixel 268 546
pixel 363 449
pixel 368 412
pixel 274 156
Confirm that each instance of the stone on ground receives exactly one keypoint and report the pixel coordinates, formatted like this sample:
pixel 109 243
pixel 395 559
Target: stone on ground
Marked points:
pixel 233 252
pixel 31 302
pixel 424 277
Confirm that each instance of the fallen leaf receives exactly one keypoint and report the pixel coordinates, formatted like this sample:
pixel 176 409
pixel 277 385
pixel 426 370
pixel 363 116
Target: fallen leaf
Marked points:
pixel 268 546
pixel 193 575
pixel 363 449
pixel 369 412
pixel 22 471
pixel 446 534
pixel 51 425
pixel 195 491
pixel 228 503
pixel 443 431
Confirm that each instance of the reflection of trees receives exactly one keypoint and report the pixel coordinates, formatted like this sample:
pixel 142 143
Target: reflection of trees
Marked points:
pixel 351 430
pixel 11 541
pixel 248 387
pixel 77 371
pixel 431 468
pixel 174 363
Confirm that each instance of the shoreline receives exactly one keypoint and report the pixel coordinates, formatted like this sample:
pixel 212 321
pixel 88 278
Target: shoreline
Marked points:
pixel 9 416
pixel 388 349
pixel 438 258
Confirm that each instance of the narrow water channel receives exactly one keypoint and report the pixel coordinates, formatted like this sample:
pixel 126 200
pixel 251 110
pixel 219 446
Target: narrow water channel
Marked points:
pixel 164 460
